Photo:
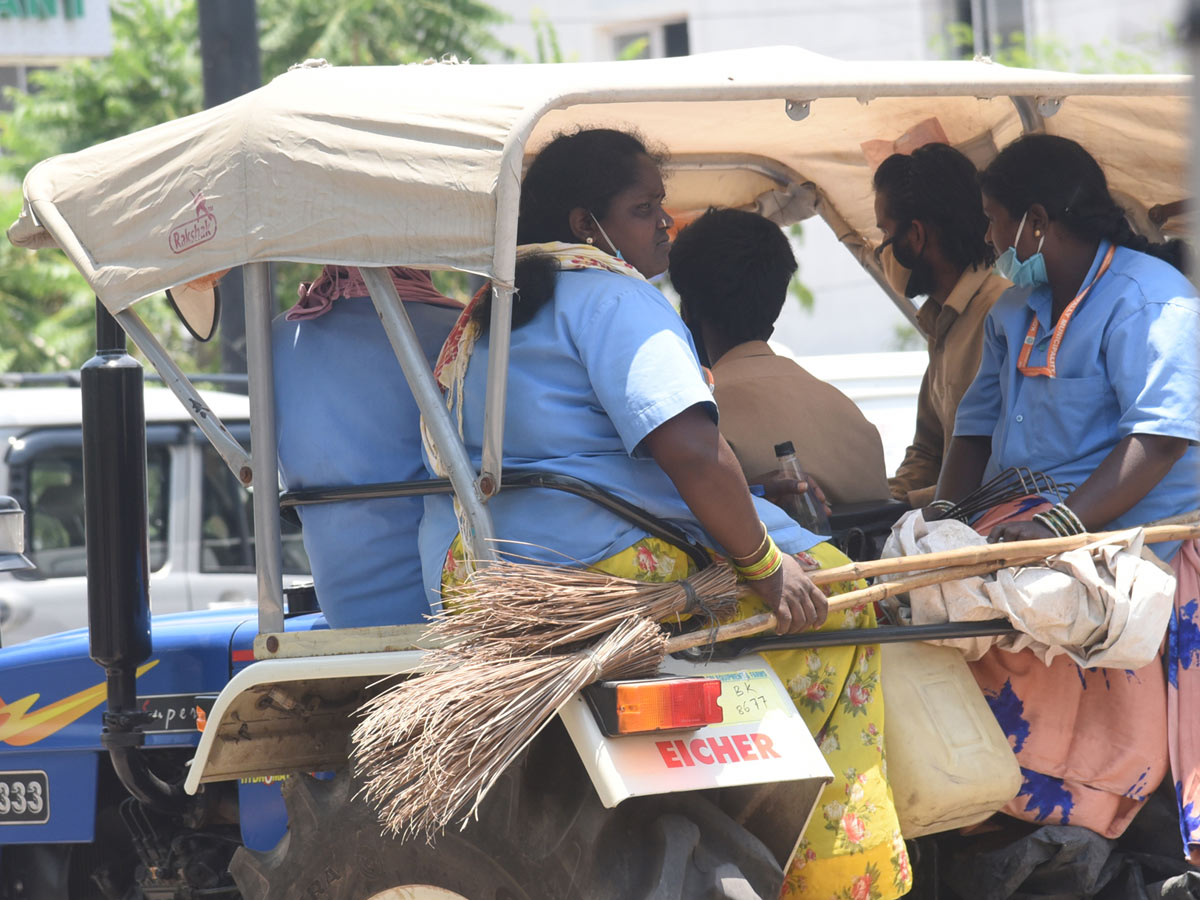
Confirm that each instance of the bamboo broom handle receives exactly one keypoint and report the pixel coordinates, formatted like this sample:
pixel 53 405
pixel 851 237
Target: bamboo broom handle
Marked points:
pixel 743 628
pixel 766 621
pixel 1006 554
pixel 964 562
pixel 903 585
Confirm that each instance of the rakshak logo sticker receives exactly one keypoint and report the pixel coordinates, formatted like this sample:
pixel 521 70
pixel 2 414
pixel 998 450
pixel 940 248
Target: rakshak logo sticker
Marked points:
pixel 21 725
pixel 194 231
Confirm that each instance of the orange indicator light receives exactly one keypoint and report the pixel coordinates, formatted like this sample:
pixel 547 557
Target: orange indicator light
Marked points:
pixel 665 705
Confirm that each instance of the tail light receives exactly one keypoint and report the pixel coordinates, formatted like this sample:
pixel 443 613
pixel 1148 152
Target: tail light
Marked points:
pixel 638 707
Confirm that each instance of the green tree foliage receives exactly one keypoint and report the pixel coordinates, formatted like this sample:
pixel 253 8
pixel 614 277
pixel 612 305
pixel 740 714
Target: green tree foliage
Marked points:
pixel 45 307
pixel 1052 52
pixel 373 32
pixel 152 76
pixel 545 39
pixel 797 289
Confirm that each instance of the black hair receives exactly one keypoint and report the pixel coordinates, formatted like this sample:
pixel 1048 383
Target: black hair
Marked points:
pixel 586 168
pixel 1064 178
pixel 938 185
pixel 732 270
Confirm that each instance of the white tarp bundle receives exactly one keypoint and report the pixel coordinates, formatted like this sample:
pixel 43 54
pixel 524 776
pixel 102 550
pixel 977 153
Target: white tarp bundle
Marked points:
pixel 1108 606
pixel 421 165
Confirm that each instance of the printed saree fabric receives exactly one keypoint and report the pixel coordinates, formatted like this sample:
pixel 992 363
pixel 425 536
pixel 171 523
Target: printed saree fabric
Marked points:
pixel 852 849
pixel 1094 743
pixel 1183 694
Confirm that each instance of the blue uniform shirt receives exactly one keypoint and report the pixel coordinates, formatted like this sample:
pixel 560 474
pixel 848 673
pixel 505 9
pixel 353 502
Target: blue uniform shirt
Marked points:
pixel 345 416
pixel 597 369
pixel 1129 363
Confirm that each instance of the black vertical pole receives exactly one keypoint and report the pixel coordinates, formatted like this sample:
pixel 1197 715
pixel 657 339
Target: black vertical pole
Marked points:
pixel 1191 37
pixel 114 494
pixel 118 554
pixel 229 57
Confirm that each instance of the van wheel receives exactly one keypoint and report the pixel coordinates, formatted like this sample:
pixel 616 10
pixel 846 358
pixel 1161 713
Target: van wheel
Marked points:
pixel 542 834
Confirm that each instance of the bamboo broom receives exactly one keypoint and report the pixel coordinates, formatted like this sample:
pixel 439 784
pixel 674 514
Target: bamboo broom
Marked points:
pixel 513 608
pixel 430 748
pixel 517 608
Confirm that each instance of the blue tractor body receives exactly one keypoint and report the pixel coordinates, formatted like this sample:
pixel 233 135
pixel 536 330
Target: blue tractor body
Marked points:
pixel 52 698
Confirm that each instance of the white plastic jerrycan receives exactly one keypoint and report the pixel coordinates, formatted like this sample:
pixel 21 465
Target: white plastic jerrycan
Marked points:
pixel 949 763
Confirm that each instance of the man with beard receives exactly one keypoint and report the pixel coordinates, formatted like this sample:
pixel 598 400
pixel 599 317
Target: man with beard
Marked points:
pixel 928 207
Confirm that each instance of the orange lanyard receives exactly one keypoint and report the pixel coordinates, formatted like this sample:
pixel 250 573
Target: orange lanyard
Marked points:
pixel 1060 328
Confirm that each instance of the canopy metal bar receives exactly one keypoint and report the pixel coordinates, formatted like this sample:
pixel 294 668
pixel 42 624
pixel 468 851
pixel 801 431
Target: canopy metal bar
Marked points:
pixel 403 338
pixel 1191 33
pixel 735 162
pixel 214 429
pixel 268 550
pixel 499 339
pixel 504 267
pixel 1031 120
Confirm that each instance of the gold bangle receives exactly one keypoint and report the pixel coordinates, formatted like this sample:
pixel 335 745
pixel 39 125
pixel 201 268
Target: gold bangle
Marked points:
pixel 760 552
pixel 763 568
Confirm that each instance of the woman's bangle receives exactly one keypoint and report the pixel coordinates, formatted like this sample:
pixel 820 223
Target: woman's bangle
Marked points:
pixel 1060 520
pixel 763 568
pixel 757 554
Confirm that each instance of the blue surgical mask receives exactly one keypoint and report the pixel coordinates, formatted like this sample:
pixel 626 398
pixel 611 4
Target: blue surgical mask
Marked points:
pixel 1029 272
pixel 604 235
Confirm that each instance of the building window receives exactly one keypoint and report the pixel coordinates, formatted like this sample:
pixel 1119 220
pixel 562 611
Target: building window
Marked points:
pixel 675 39
pixel 994 26
pixel 651 41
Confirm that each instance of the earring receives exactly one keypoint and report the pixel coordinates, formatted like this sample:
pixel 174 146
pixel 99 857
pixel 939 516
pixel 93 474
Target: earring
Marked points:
pixel 1037 233
pixel 591 240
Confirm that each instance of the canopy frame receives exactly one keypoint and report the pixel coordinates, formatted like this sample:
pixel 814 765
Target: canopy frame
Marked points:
pixel 1034 95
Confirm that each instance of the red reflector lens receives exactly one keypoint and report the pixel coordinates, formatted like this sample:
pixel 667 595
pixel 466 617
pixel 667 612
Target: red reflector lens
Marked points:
pixel 666 705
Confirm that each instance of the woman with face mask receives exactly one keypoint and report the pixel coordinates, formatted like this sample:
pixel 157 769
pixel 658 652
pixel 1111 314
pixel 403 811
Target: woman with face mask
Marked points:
pixel 1091 374
pixel 927 206
pixel 605 386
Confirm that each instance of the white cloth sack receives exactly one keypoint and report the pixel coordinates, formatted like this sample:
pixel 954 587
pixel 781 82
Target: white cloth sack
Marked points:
pixel 1105 608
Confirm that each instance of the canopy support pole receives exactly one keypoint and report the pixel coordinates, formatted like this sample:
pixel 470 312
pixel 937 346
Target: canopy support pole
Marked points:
pixel 213 428
pixel 407 347
pixel 268 549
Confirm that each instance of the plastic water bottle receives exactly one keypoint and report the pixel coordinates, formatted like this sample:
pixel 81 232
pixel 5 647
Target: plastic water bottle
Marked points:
pixel 804 508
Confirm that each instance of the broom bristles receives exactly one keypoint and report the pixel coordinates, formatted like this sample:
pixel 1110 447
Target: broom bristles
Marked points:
pixel 430 748
pixel 536 608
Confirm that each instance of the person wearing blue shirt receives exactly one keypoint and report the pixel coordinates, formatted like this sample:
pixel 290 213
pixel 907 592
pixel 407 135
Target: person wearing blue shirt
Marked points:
pixel 1090 374
pixel 604 385
pixel 612 363
pixel 345 416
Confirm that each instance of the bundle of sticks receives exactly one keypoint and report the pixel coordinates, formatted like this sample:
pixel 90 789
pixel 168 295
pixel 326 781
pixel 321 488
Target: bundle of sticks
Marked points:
pixel 529 637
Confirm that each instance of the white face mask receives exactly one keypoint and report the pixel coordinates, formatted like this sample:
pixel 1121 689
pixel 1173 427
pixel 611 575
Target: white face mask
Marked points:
pixel 604 234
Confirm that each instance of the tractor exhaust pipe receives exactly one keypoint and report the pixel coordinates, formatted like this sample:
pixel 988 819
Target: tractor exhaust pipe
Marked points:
pixel 118 551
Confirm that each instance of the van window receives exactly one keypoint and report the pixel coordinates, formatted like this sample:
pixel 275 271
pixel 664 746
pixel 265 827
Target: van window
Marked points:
pixel 227 531
pixel 55 510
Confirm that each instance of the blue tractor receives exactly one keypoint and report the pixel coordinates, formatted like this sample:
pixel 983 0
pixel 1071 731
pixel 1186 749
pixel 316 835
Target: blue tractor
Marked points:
pixel 204 755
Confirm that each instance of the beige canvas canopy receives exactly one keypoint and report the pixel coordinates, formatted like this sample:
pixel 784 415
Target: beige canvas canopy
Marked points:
pixel 420 164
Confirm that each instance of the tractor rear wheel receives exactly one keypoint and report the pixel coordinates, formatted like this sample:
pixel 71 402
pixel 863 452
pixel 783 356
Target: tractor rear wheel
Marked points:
pixel 542 834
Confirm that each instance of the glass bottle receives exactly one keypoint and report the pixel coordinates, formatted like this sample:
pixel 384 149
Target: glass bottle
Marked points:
pixel 804 508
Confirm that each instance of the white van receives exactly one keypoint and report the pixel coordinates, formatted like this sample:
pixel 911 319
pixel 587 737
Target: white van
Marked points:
pixel 201 524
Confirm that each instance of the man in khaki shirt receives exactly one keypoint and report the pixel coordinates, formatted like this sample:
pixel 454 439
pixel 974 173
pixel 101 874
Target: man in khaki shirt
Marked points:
pixel 732 271
pixel 928 206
